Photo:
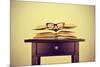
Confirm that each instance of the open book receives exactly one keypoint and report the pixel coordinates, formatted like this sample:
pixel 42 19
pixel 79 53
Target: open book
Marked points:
pixel 58 31
pixel 60 34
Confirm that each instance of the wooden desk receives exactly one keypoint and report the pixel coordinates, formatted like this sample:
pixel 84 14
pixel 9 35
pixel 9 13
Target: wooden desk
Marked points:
pixel 54 47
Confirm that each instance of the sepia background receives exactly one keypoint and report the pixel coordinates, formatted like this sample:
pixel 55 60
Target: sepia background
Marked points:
pixel 27 15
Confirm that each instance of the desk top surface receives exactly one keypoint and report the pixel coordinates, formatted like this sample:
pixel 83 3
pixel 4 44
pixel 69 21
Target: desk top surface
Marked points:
pixel 54 40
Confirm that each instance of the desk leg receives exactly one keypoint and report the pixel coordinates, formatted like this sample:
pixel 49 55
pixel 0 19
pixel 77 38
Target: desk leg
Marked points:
pixel 75 57
pixel 35 60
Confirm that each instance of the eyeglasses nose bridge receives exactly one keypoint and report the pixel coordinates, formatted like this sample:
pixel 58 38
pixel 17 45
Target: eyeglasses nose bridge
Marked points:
pixel 55 26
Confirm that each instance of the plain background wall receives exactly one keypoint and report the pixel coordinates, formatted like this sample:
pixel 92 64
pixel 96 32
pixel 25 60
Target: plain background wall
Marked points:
pixel 27 15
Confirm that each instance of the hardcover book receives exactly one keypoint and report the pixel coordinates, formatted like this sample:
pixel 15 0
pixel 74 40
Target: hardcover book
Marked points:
pixel 51 33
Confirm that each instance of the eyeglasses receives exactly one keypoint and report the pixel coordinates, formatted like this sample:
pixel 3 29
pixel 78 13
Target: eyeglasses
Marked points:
pixel 55 27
